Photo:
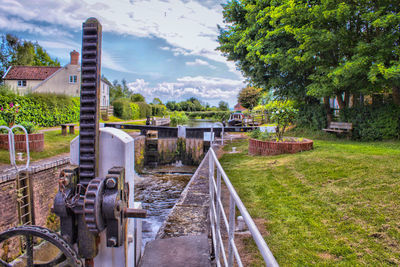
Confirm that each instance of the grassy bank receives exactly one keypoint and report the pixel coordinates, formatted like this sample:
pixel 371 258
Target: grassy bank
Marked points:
pixel 54 144
pixel 335 205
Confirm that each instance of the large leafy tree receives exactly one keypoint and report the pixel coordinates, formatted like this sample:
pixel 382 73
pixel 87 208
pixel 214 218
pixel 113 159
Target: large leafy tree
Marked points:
pixel 249 97
pixel 14 51
pixel 315 48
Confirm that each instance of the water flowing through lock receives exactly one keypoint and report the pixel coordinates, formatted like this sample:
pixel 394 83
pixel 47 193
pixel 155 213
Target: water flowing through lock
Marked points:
pixel 159 190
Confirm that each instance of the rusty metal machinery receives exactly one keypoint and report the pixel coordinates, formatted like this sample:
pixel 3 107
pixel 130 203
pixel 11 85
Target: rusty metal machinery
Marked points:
pixel 88 205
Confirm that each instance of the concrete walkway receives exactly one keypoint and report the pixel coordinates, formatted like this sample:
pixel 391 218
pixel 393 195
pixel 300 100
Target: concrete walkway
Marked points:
pixel 184 238
pixel 180 251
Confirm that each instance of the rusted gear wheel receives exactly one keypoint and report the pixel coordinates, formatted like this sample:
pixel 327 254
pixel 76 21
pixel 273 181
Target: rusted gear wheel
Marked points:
pixel 92 206
pixel 66 257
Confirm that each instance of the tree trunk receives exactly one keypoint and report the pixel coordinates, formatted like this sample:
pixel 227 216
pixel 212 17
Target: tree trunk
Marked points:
pixel 396 95
pixel 347 99
pixel 328 110
pixel 341 102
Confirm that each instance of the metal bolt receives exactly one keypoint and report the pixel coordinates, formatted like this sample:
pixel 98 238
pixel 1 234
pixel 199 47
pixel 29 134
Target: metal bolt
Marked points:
pixel 130 238
pixel 111 183
pixel 112 242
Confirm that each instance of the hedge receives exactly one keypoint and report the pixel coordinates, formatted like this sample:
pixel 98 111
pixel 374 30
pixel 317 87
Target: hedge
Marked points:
pixel 373 122
pixel 218 115
pixel 125 109
pixel 45 110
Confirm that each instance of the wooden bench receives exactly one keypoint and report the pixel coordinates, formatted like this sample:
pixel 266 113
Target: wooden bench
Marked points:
pixel 71 128
pixel 339 127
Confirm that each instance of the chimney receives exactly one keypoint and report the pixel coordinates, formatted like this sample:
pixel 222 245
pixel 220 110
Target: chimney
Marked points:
pixel 74 58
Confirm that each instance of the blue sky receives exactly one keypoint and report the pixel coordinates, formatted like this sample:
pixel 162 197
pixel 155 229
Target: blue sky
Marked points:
pixel 163 48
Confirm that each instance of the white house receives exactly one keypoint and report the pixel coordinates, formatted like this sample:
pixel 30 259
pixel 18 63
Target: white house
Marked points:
pixel 59 80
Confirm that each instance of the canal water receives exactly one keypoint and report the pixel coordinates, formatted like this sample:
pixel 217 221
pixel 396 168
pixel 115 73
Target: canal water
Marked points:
pixel 158 190
pixel 202 123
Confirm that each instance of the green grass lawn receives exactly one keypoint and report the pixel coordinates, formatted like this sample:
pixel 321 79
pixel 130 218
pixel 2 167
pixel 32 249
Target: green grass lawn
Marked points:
pixel 338 204
pixel 54 144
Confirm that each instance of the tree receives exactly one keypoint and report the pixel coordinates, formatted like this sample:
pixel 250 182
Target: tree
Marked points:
pixel 137 98
pixel 157 101
pixel 222 105
pixel 249 97
pixel 300 49
pixel 14 51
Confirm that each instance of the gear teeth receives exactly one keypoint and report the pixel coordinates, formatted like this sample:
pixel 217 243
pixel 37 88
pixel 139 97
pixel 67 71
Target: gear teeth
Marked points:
pixel 92 206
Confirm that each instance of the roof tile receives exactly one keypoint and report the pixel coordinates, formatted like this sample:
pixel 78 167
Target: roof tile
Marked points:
pixel 30 72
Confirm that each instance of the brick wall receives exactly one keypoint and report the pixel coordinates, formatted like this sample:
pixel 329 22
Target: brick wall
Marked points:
pixel 45 188
pixel 8 205
pixel 44 181
pixel 268 148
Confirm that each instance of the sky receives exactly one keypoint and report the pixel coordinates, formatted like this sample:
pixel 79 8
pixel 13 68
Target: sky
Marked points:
pixel 162 48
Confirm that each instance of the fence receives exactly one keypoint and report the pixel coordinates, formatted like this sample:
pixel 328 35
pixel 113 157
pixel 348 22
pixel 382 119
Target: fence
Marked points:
pixel 217 209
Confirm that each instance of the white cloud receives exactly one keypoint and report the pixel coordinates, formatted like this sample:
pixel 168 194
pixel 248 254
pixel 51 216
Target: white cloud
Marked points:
pixel 199 62
pixel 189 27
pixel 208 89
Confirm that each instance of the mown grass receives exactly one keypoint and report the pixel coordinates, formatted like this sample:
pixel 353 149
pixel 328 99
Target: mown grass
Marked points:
pixel 54 144
pixel 335 205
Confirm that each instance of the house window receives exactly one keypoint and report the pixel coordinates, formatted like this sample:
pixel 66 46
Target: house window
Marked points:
pixel 72 79
pixel 22 83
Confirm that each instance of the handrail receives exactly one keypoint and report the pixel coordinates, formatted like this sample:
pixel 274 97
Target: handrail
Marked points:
pixel 216 209
pixel 11 145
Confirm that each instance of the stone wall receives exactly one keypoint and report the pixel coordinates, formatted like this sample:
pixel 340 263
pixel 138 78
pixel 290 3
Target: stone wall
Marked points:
pixel 194 151
pixel 167 148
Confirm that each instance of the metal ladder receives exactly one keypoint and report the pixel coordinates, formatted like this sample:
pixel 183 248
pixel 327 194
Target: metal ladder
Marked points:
pixel 24 189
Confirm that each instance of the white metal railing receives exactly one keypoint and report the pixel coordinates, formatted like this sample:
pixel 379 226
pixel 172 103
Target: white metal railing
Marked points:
pixel 217 209
pixel 11 146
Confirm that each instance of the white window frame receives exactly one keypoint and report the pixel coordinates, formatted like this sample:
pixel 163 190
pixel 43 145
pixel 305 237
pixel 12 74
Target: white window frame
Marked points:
pixel 21 83
pixel 73 79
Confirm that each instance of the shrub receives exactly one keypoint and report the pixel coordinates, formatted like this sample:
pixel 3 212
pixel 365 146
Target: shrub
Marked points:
pixel 135 111
pixel 29 126
pixel 43 109
pixel 158 110
pixel 145 109
pixel 178 117
pixel 373 122
pixel 216 115
pixel 122 108
pixel 283 114
pixel 311 116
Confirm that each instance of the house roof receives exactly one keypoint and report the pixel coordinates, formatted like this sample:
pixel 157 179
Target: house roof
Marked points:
pixel 30 72
pixel 239 107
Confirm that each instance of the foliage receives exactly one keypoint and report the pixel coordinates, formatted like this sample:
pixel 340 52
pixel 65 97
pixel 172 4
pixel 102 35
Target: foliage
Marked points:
pixel 9 112
pixel 137 98
pixel 119 90
pixel 283 114
pixel 157 101
pixel 178 117
pixel 135 111
pixel 192 104
pixel 14 51
pixel 249 97
pixel 30 127
pixel 158 110
pixel 374 122
pixel 216 115
pixel 45 110
pixel 311 116
pixel 145 109
pixel 319 48
pixel 223 106
pixel 122 108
